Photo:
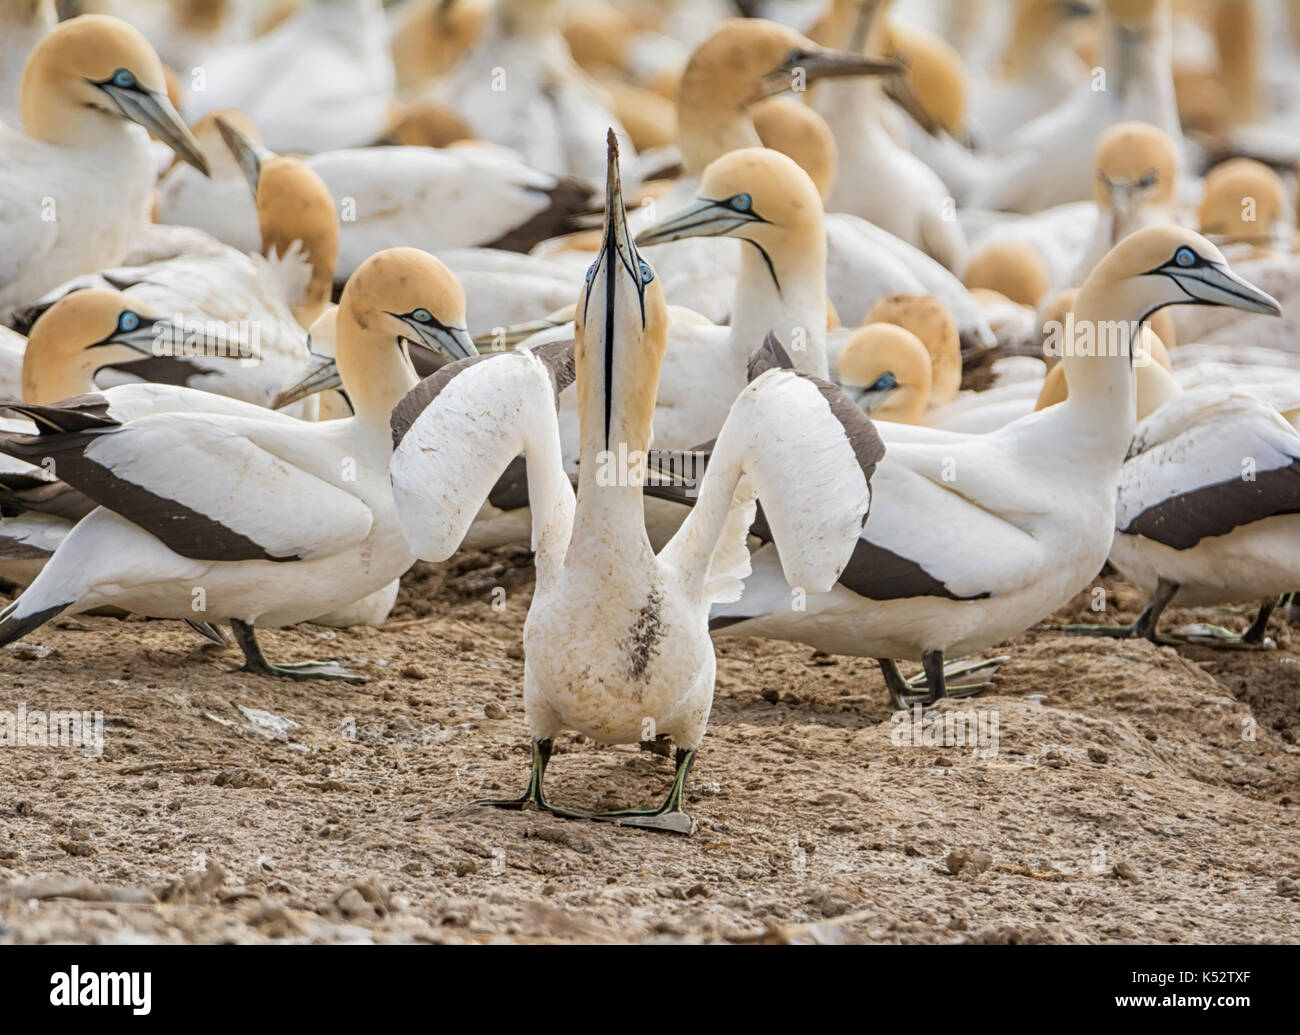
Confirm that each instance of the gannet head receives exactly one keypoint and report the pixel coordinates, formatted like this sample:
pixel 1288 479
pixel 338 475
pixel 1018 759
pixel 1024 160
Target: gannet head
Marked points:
pixel 1136 165
pixel 1012 267
pixel 93 329
pixel 397 298
pixel 1169 265
pixel 293 205
pixel 745 61
pixel 99 64
pixel 931 322
pixel 936 75
pixel 756 194
pixel 794 129
pixel 223 163
pixel 1243 201
pixel 620 329
pixel 885 370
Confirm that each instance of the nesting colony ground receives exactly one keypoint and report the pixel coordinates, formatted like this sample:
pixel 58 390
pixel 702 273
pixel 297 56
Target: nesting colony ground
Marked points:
pixel 1138 794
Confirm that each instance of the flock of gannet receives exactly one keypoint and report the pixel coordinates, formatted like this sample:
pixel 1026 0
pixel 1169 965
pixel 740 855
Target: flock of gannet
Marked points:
pixel 844 322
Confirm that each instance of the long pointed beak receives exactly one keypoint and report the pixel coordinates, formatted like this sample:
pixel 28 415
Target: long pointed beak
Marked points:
pixel 154 111
pixel 167 337
pixel 452 342
pixel 247 154
pixel 1215 284
pixel 822 64
pixel 704 218
pixel 322 375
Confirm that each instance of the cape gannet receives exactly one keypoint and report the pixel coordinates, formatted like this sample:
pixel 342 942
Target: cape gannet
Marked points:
pixel 616 642
pixel 906 197
pixel 261 303
pixel 973 538
pixel 200 515
pixel 1046 161
pixel 1039 69
pixel 77 181
pixel 219 203
pixel 1208 507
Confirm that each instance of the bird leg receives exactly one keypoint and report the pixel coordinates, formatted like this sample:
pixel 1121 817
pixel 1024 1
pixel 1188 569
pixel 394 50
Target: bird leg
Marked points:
pixel 668 817
pixel 256 661
pixel 1142 627
pixel 1217 636
pixel 935 680
pixel 533 794
pixel 964 675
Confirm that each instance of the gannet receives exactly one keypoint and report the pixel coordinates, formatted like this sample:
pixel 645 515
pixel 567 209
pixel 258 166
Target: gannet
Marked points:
pixel 320 81
pixel 72 342
pixel 1046 161
pixel 219 203
pixel 261 303
pixel 77 180
pixel 1135 185
pixel 973 538
pixel 1039 69
pixel 616 641
pixel 905 196
pixel 744 62
pixel 201 514
pixel 1207 511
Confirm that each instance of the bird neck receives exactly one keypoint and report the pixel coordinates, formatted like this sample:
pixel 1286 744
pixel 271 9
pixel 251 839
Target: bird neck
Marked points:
pixel 617 386
pixel 1155 387
pixel 1097 358
pixel 375 371
pixel 782 289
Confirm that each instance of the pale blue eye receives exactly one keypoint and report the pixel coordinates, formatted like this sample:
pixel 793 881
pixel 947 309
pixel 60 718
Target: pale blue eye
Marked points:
pixel 647 274
pixel 884 383
pixel 1185 257
pixel 128 322
pixel 742 202
pixel 124 79
pixel 591 271
pixel 423 316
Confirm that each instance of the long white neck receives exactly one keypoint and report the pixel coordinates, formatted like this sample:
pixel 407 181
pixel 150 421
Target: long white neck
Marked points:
pixel 786 298
pixel 1101 404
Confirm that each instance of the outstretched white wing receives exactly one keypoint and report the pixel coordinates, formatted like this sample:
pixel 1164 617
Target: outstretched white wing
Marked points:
pixel 460 428
pixel 807 453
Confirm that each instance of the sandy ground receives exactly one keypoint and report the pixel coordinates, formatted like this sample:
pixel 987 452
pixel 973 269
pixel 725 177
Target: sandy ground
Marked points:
pixel 1137 793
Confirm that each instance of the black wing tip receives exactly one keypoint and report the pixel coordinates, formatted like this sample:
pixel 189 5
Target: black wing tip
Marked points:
pixel 771 355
